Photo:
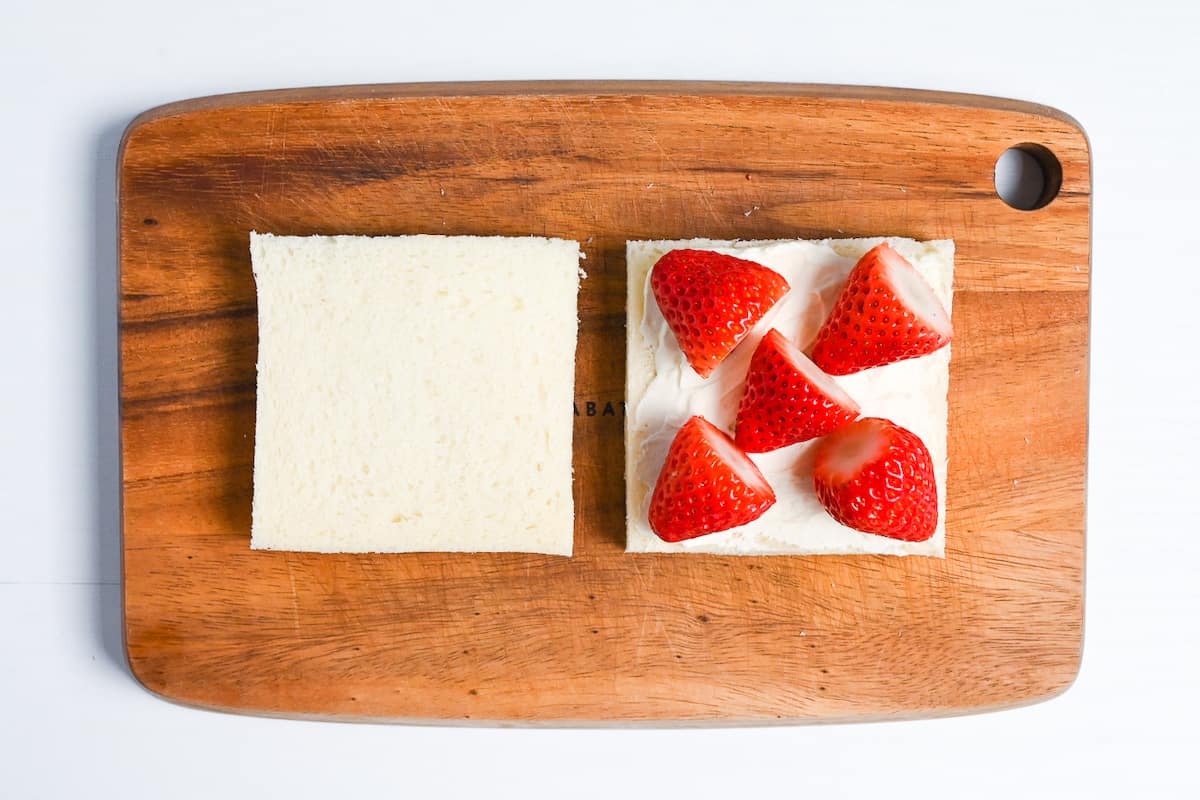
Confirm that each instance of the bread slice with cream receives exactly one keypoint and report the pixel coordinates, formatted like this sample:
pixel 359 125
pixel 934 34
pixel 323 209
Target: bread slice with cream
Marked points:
pixel 663 391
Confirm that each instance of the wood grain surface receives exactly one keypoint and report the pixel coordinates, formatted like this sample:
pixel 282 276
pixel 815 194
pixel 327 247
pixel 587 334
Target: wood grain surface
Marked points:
pixel 603 637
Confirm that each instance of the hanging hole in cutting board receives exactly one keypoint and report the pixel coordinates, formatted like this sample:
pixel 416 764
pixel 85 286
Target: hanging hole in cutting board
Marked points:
pixel 1028 176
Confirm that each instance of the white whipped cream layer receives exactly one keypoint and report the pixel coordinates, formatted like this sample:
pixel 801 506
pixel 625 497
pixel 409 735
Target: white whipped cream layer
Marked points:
pixel 663 391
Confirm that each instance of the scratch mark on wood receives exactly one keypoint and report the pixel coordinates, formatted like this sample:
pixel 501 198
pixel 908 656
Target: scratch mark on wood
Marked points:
pixel 295 595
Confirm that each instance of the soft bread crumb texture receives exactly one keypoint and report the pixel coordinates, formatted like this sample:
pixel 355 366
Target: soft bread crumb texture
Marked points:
pixel 414 393
pixel 662 392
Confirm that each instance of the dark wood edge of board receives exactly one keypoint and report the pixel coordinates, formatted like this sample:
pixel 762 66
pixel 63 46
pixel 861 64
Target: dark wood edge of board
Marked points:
pixel 585 723
pixel 600 88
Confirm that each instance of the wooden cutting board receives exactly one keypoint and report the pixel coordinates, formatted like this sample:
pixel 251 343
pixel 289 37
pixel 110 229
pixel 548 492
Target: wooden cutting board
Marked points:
pixel 601 637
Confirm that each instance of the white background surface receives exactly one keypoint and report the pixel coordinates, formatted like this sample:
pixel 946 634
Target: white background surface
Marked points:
pixel 74 724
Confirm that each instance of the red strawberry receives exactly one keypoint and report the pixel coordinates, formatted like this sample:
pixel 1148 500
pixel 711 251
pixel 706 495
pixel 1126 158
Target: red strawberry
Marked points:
pixel 877 477
pixel 788 399
pixel 886 313
pixel 706 485
pixel 711 301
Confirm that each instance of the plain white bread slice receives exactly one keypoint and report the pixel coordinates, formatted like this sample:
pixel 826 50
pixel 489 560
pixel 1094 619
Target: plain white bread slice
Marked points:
pixel 414 393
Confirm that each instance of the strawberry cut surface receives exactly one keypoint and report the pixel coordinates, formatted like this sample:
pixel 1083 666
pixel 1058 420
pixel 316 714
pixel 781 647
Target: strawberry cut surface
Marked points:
pixel 877 477
pixel 710 301
pixel 886 313
pixel 707 484
pixel 788 399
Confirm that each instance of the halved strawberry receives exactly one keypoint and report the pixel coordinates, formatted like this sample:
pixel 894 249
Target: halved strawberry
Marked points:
pixel 886 313
pixel 706 485
pixel 876 477
pixel 788 399
pixel 711 301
